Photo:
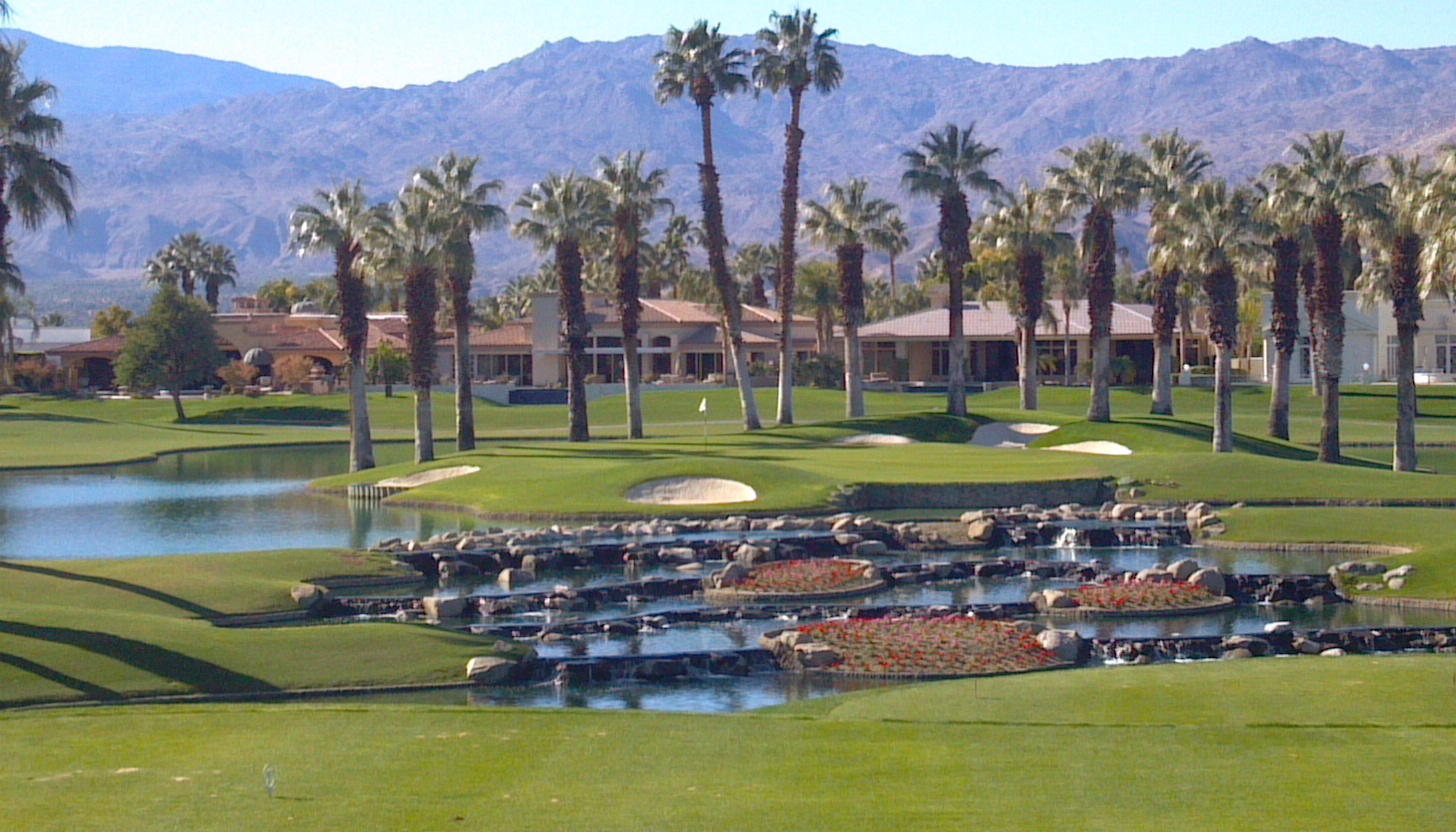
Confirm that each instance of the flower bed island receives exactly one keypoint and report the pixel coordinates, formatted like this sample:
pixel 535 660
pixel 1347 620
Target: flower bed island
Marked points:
pixel 924 648
pixel 793 580
pixel 1130 598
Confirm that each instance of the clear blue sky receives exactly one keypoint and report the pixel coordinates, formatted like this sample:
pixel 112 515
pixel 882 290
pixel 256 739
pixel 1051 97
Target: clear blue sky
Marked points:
pixel 396 42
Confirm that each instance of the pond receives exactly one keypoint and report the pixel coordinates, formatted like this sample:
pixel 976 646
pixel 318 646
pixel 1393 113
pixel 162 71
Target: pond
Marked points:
pixel 200 502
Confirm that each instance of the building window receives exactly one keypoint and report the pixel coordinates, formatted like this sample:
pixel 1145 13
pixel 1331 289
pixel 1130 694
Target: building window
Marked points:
pixel 1392 354
pixel 939 359
pixel 879 357
pixel 702 364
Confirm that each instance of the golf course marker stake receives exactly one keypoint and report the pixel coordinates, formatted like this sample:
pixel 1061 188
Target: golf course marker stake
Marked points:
pixel 270 778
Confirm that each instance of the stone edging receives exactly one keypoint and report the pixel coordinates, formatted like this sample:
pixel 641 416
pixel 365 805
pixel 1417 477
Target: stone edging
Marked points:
pixel 1333 548
pixel 1222 603
pixel 1404 603
pixel 738 595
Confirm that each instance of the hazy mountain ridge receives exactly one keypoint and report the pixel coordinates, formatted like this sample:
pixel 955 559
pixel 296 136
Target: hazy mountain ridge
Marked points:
pixel 234 169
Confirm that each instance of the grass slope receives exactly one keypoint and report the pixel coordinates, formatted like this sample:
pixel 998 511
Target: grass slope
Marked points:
pixel 1357 743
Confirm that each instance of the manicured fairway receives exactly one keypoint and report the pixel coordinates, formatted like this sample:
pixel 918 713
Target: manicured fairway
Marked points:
pixel 1360 743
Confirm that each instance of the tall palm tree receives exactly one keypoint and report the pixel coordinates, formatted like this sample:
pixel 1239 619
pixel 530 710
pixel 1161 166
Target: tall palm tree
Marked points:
pixel 1100 180
pixel 33 184
pixel 1209 226
pixel 819 300
pixel 697 63
pixel 1414 213
pixel 465 208
pixel 1284 235
pixel 1025 224
pixel 757 264
pixel 411 245
pixel 563 211
pixel 791 56
pixel 218 268
pixel 672 253
pixel 632 199
pixel 946 164
pixel 178 263
pixel 1327 190
pixel 892 241
pixel 340 222
pixel 1173 162
pixel 844 223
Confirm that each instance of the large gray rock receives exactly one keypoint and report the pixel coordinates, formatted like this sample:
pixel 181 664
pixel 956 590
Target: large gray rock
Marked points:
pixel 309 596
pixel 490 670
pixel 1183 569
pixel 1400 572
pixel 813 655
pixel 731 575
pixel 1066 645
pixel 1210 578
pixel 1053 599
pixel 869 549
pixel 981 530
pixel 439 607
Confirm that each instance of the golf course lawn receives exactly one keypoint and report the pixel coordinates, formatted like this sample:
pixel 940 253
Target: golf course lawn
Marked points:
pixel 1359 743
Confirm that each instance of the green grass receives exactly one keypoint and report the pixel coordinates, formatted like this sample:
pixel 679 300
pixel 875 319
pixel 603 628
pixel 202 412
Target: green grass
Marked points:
pixel 112 629
pixel 1357 743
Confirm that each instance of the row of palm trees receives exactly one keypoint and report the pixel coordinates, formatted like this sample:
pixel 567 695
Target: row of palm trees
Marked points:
pixel 188 261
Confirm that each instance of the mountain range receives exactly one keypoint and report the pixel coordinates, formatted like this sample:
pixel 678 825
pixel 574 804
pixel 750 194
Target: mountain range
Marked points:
pixel 177 143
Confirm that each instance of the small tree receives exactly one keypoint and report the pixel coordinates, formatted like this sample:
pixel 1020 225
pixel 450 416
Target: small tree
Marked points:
pixel 294 371
pixel 388 366
pixel 173 345
pixel 237 375
pixel 113 320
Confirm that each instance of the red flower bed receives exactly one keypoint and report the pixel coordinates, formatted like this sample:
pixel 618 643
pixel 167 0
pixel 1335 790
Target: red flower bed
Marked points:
pixel 1142 595
pixel 951 646
pixel 803 577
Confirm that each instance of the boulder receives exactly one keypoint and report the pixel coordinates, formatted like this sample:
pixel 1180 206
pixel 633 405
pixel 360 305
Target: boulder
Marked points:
pixel 510 578
pixel 1123 511
pixel 438 607
pixel 1154 575
pixel 1400 572
pixel 1210 578
pixel 1333 651
pixel 490 670
pixel 1396 583
pixel 843 524
pixel 813 655
pixel 748 554
pixel 869 549
pixel 309 596
pixel 1053 599
pixel 969 517
pixel 981 530
pixel 1274 627
pixel 677 554
pixel 731 575
pixel 847 539
pixel 1308 647
pixel 1066 645
pixel 1255 646
pixel 689 567
pixel 1183 569
pixel 1362 568
pixel 1237 653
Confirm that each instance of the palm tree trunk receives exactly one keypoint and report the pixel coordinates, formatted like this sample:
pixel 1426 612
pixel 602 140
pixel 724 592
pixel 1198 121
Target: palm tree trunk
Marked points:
pixel 1163 378
pixel 573 309
pixel 1223 399
pixel 1028 376
pixel 464 398
pixel 854 406
pixel 718 264
pixel 893 280
pixel 788 229
pixel 632 376
pixel 955 394
pixel 1405 399
pixel 361 445
pixel 424 425
pixel 1328 233
pixel 1101 267
pixel 1279 396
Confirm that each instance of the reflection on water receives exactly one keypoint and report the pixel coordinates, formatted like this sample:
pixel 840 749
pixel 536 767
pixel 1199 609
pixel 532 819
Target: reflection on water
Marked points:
pixel 202 502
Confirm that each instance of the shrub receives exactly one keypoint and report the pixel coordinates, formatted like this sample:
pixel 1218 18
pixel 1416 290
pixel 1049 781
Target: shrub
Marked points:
pixel 822 371
pixel 237 375
pixel 34 375
pixel 293 371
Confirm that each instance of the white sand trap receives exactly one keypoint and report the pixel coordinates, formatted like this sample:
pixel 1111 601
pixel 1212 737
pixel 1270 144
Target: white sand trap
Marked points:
pixel 875 439
pixel 427 477
pixel 1009 434
pixel 691 491
pixel 1100 447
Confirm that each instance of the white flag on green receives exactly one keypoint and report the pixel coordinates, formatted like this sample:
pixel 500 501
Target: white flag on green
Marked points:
pixel 703 405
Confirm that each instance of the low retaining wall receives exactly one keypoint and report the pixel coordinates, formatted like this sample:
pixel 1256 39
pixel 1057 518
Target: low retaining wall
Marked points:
pixel 871 496
pixel 1333 548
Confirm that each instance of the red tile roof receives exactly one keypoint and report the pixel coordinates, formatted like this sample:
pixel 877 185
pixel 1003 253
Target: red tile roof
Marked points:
pixel 993 320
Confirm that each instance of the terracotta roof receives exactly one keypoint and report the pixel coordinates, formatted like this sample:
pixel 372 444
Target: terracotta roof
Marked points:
pixel 993 320
pixel 752 313
pixel 109 345
pixel 660 310
pixel 513 334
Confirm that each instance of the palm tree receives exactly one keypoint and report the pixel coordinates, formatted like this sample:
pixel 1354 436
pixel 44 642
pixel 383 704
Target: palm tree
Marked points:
pixel 632 199
pixel 1100 180
pixel 1208 225
pixel 33 184
pixel 1173 163
pixel 179 263
pixel 1025 224
pixel 672 253
pixel 818 300
pixel 1284 234
pixel 465 208
pixel 218 268
pixel 697 64
pixel 946 164
pixel 1327 190
pixel 792 56
pixel 1415 210
pixel 757 264
pixel 563 211
pixel 844 224
pixel 411 244
pixel 893 240
pixel 339 223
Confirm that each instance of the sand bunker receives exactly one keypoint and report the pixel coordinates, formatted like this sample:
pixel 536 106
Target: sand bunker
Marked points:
pixel 691 491
pixel 427 477
pixel 1101 447
pixel 876 439
pixel 1009 434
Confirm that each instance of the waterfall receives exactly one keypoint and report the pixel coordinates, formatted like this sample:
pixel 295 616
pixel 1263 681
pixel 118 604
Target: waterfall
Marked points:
pixel 1067 538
